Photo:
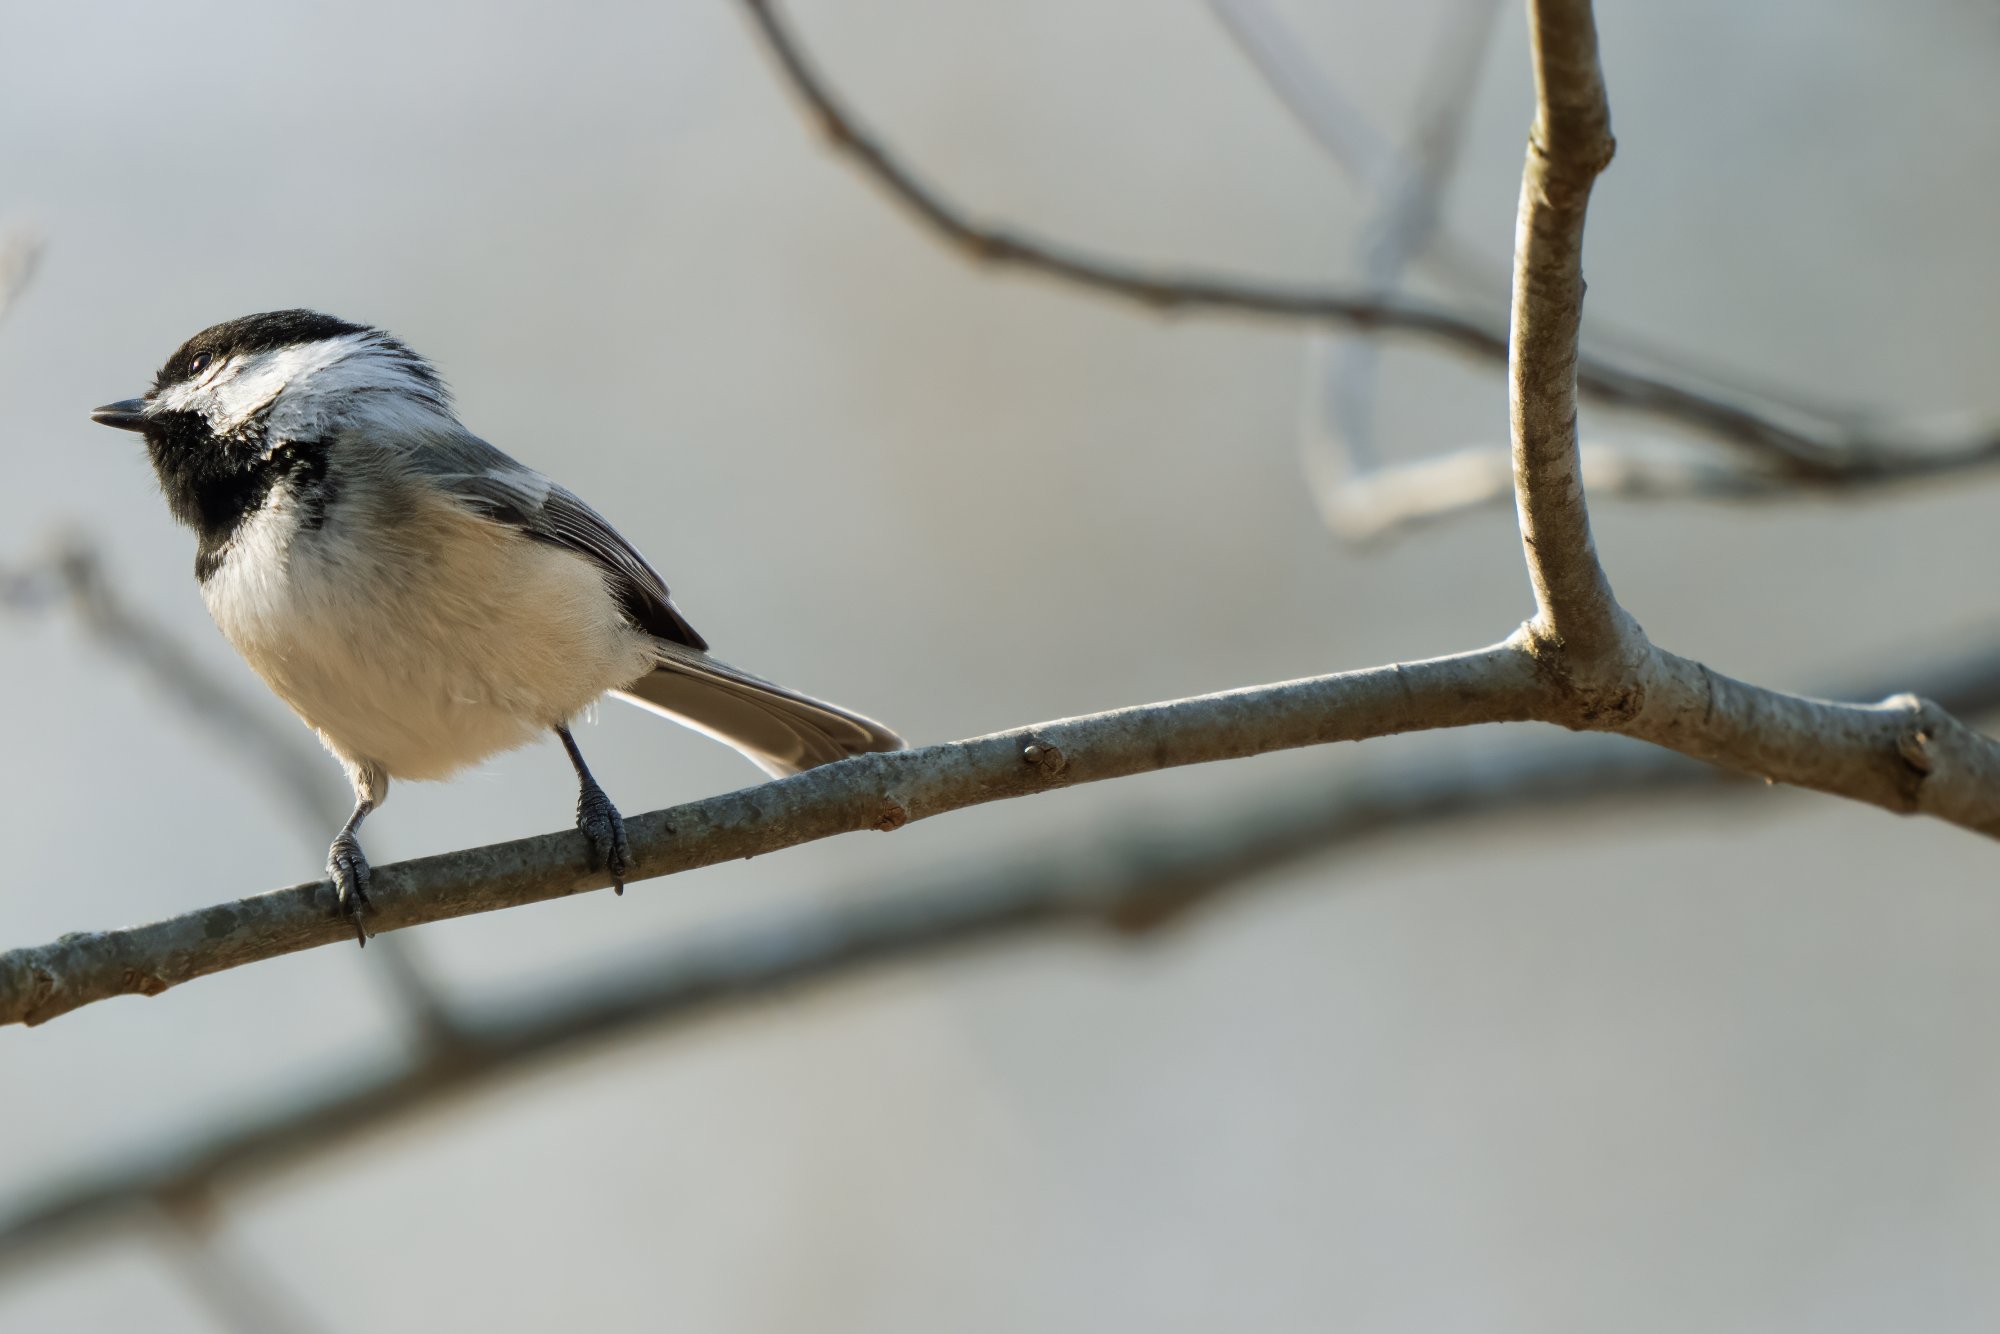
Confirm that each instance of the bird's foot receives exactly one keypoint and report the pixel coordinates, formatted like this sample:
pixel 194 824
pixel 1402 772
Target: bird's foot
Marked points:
pixel 348 869
pixel 605 828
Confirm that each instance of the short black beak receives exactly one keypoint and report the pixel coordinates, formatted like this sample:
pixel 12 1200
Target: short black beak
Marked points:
pixel 129 415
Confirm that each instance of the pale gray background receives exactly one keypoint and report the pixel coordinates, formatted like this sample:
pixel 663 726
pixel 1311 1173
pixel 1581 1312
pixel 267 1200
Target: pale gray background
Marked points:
pixel 1713 1068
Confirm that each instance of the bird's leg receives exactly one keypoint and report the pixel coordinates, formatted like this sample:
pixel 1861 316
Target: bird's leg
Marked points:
pixel 598 818
pixel 348 869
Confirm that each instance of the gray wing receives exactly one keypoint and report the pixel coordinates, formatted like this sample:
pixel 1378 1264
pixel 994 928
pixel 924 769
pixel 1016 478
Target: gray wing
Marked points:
pixel 513 493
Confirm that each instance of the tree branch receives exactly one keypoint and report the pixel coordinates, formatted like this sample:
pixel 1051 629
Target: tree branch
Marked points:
pixel 1905 754
pixel 1150 878
pixel 1567 148
pixel 1800 443
pixel 868 792
pixel 1156 874
pixel 1869 752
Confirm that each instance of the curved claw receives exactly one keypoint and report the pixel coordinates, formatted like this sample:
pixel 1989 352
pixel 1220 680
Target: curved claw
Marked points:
pixel 605 828
pixel 347 867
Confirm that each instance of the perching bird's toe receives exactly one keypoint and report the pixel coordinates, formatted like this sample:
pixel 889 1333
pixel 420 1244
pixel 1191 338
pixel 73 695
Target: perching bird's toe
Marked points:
pixel 605 828
pixel 347 867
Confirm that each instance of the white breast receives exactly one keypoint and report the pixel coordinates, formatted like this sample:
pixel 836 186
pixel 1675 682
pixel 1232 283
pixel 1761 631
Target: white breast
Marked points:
pixel 443 639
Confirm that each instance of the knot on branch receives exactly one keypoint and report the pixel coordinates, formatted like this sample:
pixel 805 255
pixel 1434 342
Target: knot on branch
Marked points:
pixel 892 816
pixel 1569 166
pixel 1916 735
pixel 1602 692
pixel 1914 747
pixel 143 983
pixel 39 990
pixel 1602 708
pixel 1588 155
pixel 1045 758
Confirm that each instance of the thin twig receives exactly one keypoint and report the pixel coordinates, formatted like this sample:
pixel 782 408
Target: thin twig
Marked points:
pixel 1813 453
pixel 1568 147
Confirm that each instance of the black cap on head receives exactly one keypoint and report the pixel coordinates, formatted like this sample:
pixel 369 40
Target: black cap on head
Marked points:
pixel 252 334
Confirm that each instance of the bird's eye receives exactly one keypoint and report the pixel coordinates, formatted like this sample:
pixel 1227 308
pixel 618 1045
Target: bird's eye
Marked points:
pixel 201 362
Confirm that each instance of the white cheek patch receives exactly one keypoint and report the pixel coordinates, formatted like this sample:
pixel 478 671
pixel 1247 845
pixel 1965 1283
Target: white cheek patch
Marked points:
pixel 296 374
pixel 302 390
pixel 189 397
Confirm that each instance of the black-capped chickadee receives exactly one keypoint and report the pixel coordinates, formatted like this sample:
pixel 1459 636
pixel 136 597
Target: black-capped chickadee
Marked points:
pixel 420 599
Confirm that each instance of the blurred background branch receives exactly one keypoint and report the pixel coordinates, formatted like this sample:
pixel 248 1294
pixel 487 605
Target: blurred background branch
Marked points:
pixel 20 253
pixel 1389 502
pixel 1339 434
pixel 1818 447
pixel 1362 499
pixel 1000 246
pixel 1473 274
pixel 241 1296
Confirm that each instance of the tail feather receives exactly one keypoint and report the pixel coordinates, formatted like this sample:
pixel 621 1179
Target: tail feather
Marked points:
pixel 779 730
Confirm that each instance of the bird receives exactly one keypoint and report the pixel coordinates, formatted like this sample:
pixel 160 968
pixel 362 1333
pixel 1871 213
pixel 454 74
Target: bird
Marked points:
pixel 419 598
